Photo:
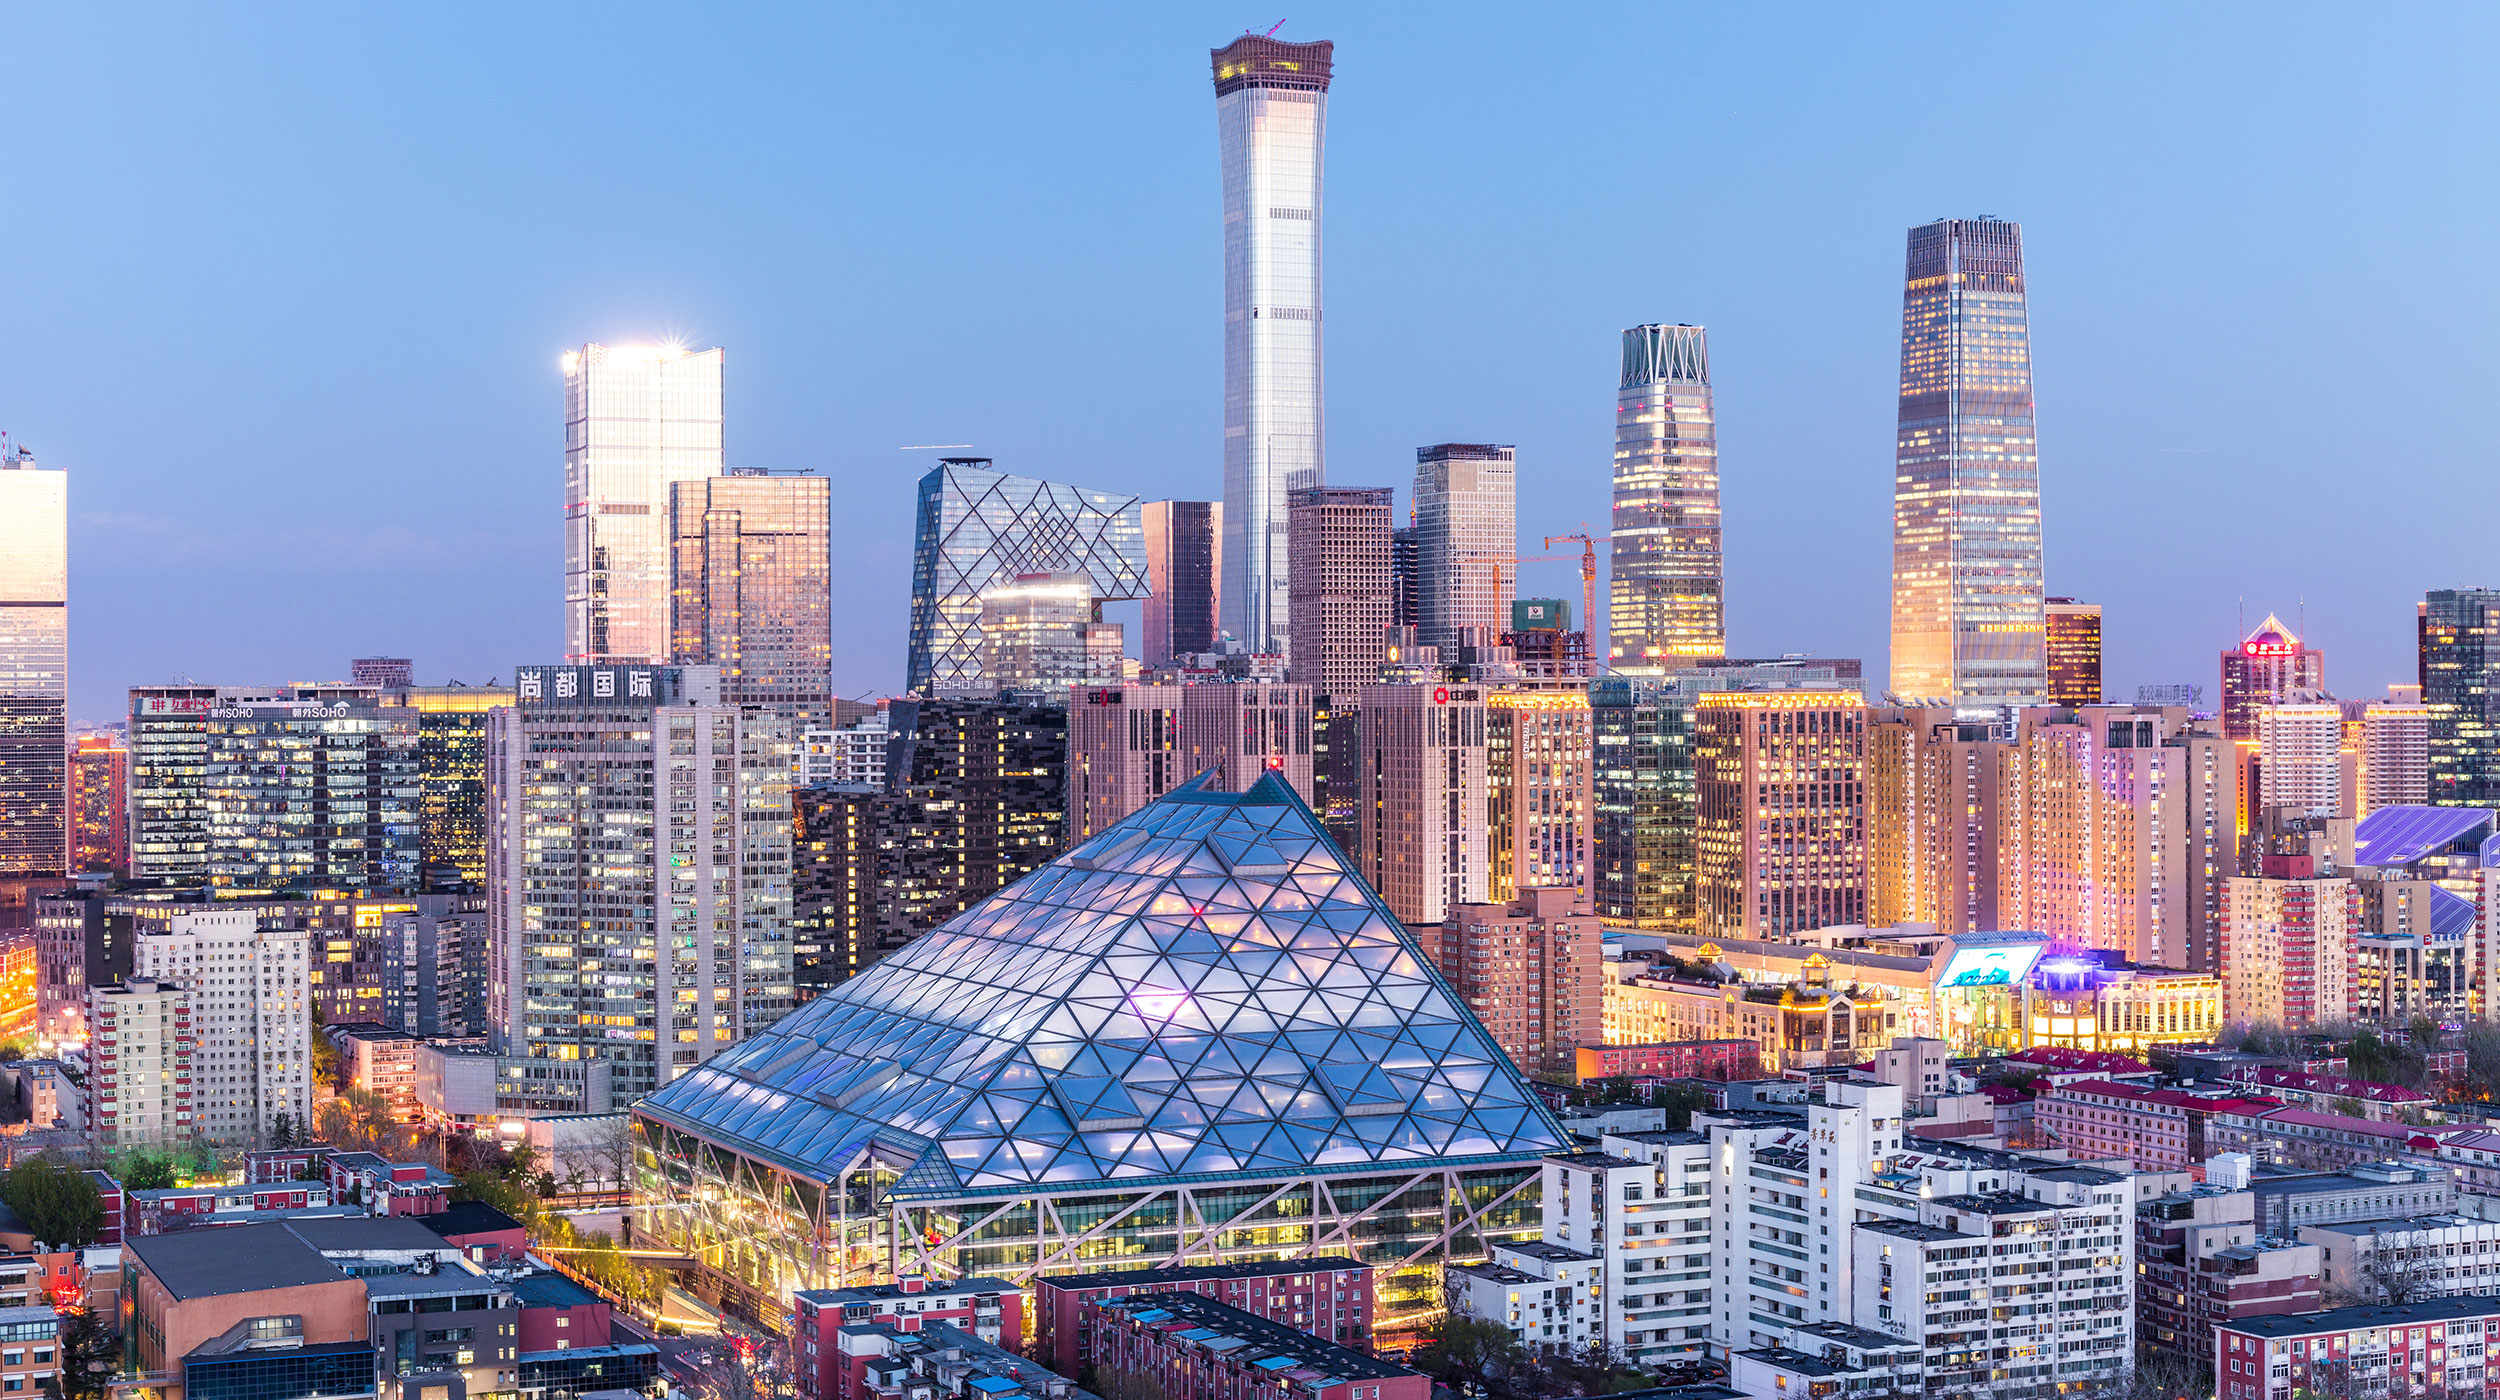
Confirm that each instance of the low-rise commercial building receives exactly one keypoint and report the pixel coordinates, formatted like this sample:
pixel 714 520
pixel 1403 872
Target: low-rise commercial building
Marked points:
pixel 2288 1202
pixel 2396 1260
pixel 191 1298
pixel 472 1089
pixel 2160 1130
pixel 1675 1059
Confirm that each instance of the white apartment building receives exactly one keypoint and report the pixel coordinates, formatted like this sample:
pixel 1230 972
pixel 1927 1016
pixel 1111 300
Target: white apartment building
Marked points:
pixel 1784 1193
pixel 251 990
pixel 2023 1284
pixel 2301 758
pixel 2427 1255
pixel 1830 1359
pixel 139 1054
pixel 1657 1256
pixel 1550 1296
pixel 852 756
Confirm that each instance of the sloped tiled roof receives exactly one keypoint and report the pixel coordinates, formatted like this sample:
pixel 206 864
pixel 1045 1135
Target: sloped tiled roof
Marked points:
pixel 1202 988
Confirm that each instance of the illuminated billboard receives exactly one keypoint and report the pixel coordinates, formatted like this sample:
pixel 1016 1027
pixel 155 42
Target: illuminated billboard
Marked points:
pixel 1990 967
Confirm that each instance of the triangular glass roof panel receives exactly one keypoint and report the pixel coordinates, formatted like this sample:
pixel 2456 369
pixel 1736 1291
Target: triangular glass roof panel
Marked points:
pixel 1117 1015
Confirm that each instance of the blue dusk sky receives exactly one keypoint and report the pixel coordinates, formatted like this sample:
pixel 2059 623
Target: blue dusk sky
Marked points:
pixel 286 290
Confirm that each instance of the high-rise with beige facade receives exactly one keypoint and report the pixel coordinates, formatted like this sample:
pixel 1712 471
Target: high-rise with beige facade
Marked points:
pixel 1540 766
pixel 1466 540
pixel 2395 755
pixel 1935 810
pixel 2120 831
pixel 1130 744
pixel 1423 794
pixel 1530 969
pixel 2300 758
pixel 1341 589
pixel 1781 785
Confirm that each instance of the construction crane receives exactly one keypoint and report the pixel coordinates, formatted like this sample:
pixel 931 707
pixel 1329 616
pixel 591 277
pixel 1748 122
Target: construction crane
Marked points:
pixel 1588 575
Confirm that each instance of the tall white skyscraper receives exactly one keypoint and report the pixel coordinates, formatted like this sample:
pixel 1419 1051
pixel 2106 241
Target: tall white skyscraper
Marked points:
pixel 1271 114
pixel 1466 540
pixel 34 666
pixel 637 420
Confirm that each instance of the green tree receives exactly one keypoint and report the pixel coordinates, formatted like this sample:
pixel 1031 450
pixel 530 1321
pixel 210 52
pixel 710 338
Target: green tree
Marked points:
pixel 60 1205
pixel 88 1354
pixel 282 1131
pixel 146 1171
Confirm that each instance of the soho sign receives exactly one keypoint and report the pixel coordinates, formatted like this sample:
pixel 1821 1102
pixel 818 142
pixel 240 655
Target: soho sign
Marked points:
pixel 280 711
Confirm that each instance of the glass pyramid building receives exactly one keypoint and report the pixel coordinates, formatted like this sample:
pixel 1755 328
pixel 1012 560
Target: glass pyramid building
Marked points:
pixel 1196 1038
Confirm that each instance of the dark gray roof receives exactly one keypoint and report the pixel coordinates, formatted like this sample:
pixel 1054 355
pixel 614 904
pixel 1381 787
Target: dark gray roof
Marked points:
pixel 2366 1316
pixel 232 1259
pixel 363 1232
pixel 1912 1230
pixel 1142 1278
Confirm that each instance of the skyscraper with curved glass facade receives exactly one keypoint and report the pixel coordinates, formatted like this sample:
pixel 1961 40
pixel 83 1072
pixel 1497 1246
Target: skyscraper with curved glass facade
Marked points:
pixel 1271 116
pixel 1967 614
pixel 1666 592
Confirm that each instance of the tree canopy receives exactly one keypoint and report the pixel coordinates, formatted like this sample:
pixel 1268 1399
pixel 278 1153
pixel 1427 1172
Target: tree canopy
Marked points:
pixel 59 1204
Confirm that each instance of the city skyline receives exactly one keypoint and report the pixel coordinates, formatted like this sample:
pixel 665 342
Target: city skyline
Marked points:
pixel 213 496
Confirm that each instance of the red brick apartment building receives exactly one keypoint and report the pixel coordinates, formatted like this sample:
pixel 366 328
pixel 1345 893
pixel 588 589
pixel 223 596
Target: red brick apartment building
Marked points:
pixel 1329 1297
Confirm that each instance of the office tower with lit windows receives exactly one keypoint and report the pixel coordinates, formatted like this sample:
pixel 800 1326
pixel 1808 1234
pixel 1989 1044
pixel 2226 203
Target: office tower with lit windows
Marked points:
pixel 254 789
pixel 1041 633
pixel 1667 583
pixel 974 800
pixel 1422 791
pixel 2458 633
pixel 1129 745
pixel 1402 606
pixel 99 804
pixel 2074 651
pixel 2270 666
pixel 1184 566
pixel 34 667
pixel 1539 763
pixel 638 871
pixel 1644 779
pixel 1780 782
pixel 1967 620
pixel 750 587
pixel 1271 116
pixel 980 529
pixel 1466 540
pixel 637 420
pixel 451 776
